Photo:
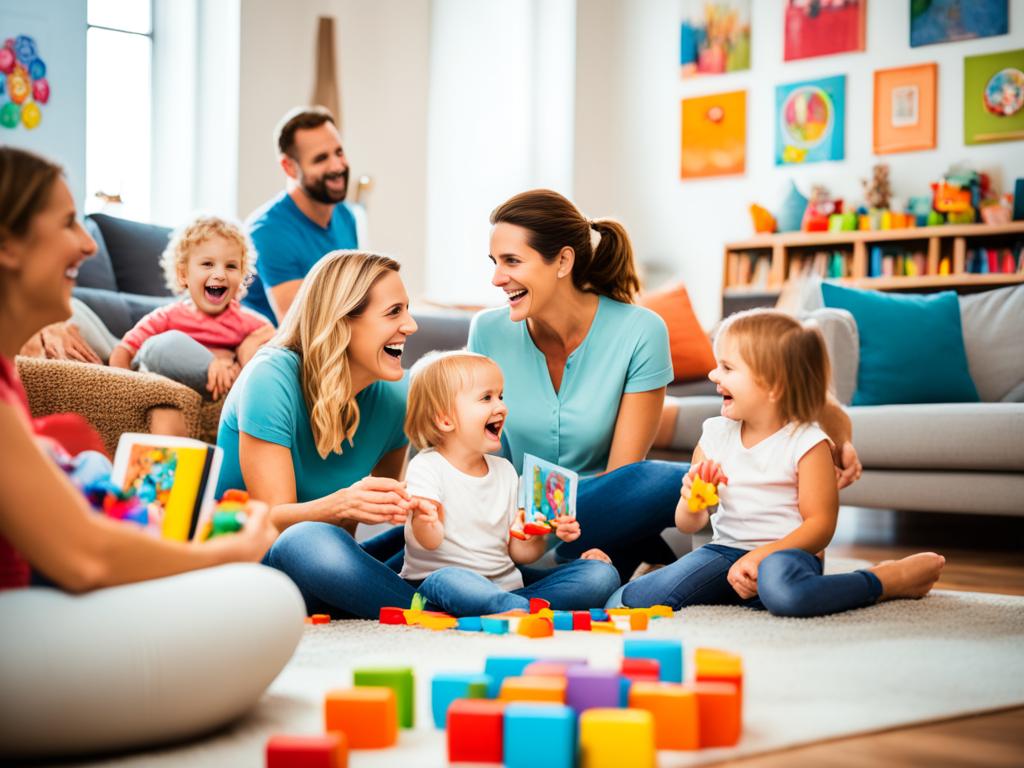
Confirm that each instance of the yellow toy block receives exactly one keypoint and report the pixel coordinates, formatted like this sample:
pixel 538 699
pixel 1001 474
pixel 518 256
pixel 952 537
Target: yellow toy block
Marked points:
pixel 711 662
pixel 702 495
pixel 620 611
pixel 604 626
pixel 660 612
pixel 438 622
pixel 617 738
pixel 549 689
pixel 674 708
pixel 545 613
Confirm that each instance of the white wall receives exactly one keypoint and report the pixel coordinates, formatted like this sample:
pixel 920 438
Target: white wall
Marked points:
pixel 627 135
pixel 58 27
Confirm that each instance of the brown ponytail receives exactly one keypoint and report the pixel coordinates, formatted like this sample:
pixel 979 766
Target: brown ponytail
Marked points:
pixel 554 223
pixel 25 183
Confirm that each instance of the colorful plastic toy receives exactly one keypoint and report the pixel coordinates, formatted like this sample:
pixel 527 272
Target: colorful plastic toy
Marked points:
pixel 470 624
pixel 719 714
pixel 446 688
pixel 539 736
pixel 329 750
pixel 500 667
pixel 476 731
pixel 533 689
pixel 368 716
pixel 398 679
pixel 762 219
pixel 581 621
pixel 641 669
pixel 715 666
pixel 538 604
pixel 675 712
pixel 494 626
pixel 668 653
pixel 535 626
pixel 587 688
pixel 617 738
pixel 320 618
pixel 392 615
pixel 702 495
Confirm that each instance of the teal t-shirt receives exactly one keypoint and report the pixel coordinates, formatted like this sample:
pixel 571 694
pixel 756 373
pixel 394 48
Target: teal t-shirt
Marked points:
pixel 625 351
pixel 266 402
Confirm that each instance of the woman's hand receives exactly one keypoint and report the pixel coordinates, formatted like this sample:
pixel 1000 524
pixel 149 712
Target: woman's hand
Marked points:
pixel 372 500
pixel 848 466
pixel 567 528
pixel 63 341
pixel 743 575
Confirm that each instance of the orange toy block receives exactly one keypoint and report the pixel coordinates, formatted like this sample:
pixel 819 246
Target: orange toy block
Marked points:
pixel 367 714
pixel 720 715
pixel 327 751
pixel 534 689
pixel 535 626
pixel 320 618
pixel 674 708
pixel 715 666
pixel 638 621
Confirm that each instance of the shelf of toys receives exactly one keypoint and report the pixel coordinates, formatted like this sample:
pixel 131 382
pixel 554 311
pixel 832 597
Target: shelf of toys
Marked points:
pixel 934 245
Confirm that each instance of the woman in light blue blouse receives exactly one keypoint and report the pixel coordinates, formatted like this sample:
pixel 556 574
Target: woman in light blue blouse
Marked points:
pixel 585 370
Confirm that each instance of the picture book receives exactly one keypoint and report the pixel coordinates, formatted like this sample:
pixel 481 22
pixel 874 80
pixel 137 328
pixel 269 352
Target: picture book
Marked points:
pixel 547 491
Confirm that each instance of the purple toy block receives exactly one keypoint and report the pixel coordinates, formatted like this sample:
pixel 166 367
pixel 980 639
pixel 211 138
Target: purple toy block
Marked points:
pixel 588 688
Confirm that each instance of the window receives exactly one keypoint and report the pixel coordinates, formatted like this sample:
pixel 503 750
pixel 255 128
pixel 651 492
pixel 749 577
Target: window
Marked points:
pixel 118 136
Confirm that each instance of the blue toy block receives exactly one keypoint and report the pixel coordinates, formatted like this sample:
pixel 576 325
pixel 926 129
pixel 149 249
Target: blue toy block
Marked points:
pixel 447 687
pixel 563 620
pixel 470 624
pixel 500 667
pixel 598 614
pixel 494 626
pixel 539 736
pixel 668 653
pixel 624 686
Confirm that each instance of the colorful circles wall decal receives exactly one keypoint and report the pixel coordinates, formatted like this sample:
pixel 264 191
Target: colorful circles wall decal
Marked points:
pixel 23 83
pixel 807 116
pixel 1004 92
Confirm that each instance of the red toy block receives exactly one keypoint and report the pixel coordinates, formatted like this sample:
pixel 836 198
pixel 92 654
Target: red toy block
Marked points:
pixel 392 616
pixel 320 618
pixel 536 529
pixel 641 669
pixel 581 621
pixel 367 714
pixel 476 731
pixel 720 715
pixel 537 604
pixel 233 494
pixel 327 751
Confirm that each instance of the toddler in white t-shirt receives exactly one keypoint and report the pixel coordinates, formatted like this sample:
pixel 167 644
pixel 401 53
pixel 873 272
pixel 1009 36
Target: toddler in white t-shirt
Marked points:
pixel 778 499
pixel 457 538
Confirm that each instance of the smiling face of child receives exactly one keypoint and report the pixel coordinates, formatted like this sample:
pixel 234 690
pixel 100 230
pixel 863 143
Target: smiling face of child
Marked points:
pixel 212 274
pixel 479 411
pixel 743 397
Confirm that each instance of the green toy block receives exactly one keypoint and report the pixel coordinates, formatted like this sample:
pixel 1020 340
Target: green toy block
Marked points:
pixel 400 680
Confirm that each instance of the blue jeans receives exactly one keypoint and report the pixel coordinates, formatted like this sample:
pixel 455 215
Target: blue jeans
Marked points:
pixel 575 586
pixel 624 512
pixel 789 583
pixel 338 575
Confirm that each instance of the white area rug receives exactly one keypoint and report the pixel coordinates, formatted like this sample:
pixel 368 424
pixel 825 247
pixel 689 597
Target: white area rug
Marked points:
pixel 806 680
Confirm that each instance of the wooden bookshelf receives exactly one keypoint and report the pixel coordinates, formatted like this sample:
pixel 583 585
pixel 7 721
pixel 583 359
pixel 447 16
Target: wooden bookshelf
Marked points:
pixel 762 264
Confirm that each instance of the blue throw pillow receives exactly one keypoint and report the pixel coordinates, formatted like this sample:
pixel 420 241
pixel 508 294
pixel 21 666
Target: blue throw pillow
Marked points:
pixel 911 346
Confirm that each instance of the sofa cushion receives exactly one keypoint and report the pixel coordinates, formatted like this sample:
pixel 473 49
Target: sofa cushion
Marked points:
pixel 839 329
pixel 692 356
pixel 973 436
pixel 437 330
pixel 135 250
pixel 97 271
pixel 994 342
pixel 120 311
pixel 911 346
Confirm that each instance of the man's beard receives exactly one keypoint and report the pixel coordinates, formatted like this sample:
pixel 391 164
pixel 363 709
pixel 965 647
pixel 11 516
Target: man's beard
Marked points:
pixel 318 189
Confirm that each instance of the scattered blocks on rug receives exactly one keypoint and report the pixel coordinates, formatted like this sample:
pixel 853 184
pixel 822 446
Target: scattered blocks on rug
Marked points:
pixel 535 626
pixel 398 679
pixel 588 688
pixel 608 627
pixel 617 738
pixel 581 621
pixel 392 616
pixel 551 689
pixel 668 653
pixel 500 667
pixel 367 715
pixel 476 731
pixel 641 669
pixel 320 618
pixel 538 604
pixel 599 614
pixel 494 626
pixel 470 624
pixel 329 750
pixel 715 666
pixel 539 736
pixel 551 668
pixel 674 709
pixel 562 620
pixel 719 714
pixel 447 687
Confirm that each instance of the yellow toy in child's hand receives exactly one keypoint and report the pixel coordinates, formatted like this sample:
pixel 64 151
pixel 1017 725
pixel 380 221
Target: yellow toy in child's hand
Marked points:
pixel 702 495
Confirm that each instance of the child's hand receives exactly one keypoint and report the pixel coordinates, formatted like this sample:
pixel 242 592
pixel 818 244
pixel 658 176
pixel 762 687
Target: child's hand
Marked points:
pixel 596 554
pixel 743 575
pixel 566 528
pixel 517 532
pixel 424 511
pixel 220 376
pixel 709 471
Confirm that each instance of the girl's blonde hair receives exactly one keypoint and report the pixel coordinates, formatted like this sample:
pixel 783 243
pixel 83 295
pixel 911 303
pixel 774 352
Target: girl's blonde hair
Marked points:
pixel 198 231
pixel 437 379
pixel 317 327
pixel 785 356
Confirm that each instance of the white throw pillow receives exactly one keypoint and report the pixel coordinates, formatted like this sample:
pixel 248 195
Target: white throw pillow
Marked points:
pixel 994 342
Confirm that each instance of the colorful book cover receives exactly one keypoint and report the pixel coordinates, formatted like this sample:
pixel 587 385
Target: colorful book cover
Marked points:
pixel 547 490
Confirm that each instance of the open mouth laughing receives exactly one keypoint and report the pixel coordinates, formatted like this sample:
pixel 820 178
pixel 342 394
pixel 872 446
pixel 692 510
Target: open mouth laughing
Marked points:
pixel 493 427
pixel 215 293
pixel 395 350
pixel 515 296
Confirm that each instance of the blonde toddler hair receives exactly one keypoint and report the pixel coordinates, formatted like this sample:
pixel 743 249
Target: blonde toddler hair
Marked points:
pixel 437 379
pixel 198 231
pixel 786 357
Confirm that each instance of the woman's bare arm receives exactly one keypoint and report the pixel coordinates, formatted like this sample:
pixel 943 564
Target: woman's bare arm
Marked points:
pixel 635 427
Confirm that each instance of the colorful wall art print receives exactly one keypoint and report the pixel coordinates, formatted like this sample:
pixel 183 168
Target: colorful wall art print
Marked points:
pixel 994 97
pixel 905 109
pixel 714 37
pixel 714 135
pixel 823 27
pixel 945 21
pixel 810 118
pixel 23 84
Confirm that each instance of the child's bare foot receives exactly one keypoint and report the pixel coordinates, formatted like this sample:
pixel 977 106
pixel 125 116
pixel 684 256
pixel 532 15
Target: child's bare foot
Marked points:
pixel 913 576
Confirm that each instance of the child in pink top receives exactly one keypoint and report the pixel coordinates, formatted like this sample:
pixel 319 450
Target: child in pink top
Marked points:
pixel 204 339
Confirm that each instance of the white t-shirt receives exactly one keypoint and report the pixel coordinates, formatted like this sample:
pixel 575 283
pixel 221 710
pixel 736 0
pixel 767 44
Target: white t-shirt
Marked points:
pixel 478 512
pixel 759 503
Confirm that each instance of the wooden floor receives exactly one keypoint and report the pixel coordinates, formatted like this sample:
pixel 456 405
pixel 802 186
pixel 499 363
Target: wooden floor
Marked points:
pixel 983 554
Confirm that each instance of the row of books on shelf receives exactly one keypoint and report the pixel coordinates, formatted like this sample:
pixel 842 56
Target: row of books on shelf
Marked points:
pixel 824 264
pixel 748 270
pixel 995 260
pixel 902 263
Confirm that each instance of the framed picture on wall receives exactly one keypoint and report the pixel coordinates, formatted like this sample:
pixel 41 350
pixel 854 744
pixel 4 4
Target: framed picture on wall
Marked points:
pixel 823 27
pixel 714 38
pixel 946 21
pixel 714 135
pixel 810 121
pixel 905 109
pixel 994 97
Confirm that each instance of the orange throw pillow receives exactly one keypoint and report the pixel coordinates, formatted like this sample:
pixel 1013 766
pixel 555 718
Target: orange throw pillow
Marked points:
pixel 692 356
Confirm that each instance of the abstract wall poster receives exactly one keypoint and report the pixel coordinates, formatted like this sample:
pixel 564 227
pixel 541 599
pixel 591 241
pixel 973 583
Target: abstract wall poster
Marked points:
pixel 945 21
pixel 714 37
pixel 994 97
pixel 810 121
pixel 714 135
pixel 824 27
pixel 905 109
pixel 23 84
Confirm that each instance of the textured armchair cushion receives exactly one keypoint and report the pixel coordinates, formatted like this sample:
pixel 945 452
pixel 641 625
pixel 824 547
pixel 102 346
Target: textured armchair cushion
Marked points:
pixel 120 311
pixel 135 250
pixel 97 271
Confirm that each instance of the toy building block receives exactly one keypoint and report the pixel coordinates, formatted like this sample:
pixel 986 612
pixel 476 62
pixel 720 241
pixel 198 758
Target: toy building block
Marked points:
pixel 430 621
pixel 533 689
pixel 537 529
pixel 549 668
pixel 674 708
pixel 641 669
pixel 476 731
pixel 538 603
pixel 546 613
pixel 392 616
pixel 368 716
pixel 588 688
pixel 494 626
pixel 668 653
pixel 581 621
pixel 500 667
pixel 599 614
pixel 234 494
pixel 320 618
pixel 702 495
pixel 715 666
pixel 329 750
pixel 535 626
pixel 720 714
pixel 660 612
pixel 419 602
pixel 562 620
pixel 617 738
pixel 539 736
pixel 638 621
pixel 446 688
pixel 398 679
pixel 605 626
pixel 470 624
